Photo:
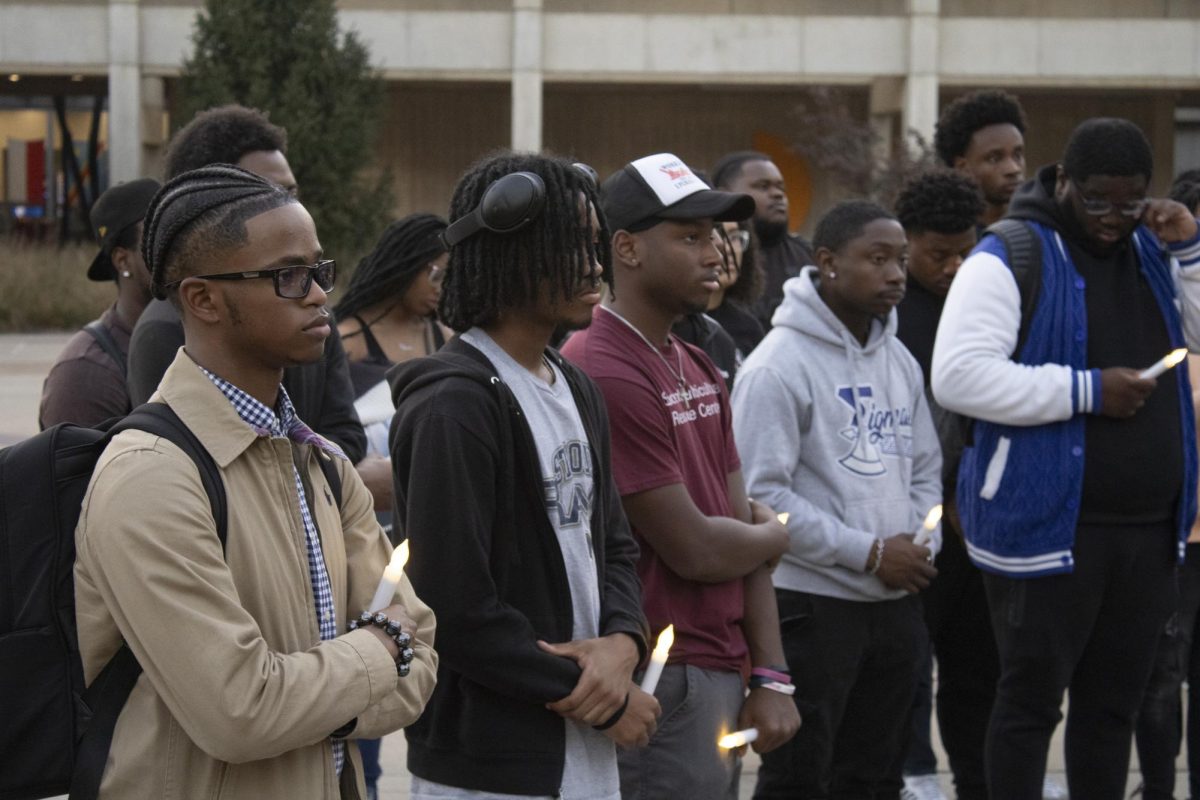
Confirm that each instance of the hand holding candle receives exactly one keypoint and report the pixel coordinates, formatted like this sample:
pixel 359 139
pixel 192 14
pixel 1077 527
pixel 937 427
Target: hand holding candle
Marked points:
pixel 928 526
pixel 783 518
pixel 391 578
pixel 658 659
pixel 738 739
pixel 1168 361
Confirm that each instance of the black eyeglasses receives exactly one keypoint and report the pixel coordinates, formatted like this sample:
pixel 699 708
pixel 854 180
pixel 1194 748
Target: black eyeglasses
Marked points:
pixel 291 282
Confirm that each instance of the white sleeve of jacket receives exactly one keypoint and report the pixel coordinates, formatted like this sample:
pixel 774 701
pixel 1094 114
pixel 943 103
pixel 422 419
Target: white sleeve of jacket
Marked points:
pixel 767 417
pixel 972 371
pixel 1186 270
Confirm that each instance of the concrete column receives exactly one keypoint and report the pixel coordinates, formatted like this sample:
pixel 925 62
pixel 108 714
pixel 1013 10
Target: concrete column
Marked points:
pixel 124 91
pixel 920 109
pixel 527 75
pixel 153 128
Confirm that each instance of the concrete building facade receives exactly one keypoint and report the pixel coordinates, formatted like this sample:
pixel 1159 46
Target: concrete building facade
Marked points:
pixel 607 80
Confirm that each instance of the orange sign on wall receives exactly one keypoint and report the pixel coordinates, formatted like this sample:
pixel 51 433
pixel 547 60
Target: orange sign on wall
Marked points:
pixel 796 176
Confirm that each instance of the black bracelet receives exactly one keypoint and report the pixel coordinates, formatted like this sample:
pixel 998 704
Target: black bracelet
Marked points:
pixel 615 718
pixel 392 628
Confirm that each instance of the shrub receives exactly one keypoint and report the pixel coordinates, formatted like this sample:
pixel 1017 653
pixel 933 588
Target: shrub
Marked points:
pixel 43 287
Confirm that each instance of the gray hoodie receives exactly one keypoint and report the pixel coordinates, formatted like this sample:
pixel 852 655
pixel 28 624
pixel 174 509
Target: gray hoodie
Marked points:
pixel 840 437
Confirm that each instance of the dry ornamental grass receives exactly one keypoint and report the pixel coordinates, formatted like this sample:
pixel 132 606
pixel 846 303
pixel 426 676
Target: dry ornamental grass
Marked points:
pixel 44 287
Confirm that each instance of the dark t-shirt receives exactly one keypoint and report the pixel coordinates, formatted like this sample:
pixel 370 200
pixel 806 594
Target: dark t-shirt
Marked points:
pixel 1133 468
pixel 85 386
pixel 663 436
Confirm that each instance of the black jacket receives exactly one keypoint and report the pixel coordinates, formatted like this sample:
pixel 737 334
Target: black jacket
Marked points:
pixel 486 559
pixel 321 393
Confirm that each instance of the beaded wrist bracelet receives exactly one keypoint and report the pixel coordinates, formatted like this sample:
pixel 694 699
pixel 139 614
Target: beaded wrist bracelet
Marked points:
pixel 392 628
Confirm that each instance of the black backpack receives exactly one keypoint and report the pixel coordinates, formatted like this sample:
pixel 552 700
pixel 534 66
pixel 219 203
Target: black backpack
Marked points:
pixel 1025 260
pixel 55 733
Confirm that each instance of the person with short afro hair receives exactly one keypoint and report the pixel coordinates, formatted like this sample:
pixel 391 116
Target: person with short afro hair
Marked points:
pixel 982 135
pixel 1077 494
pixel 833 428
pixel 225 135
pixel 938 210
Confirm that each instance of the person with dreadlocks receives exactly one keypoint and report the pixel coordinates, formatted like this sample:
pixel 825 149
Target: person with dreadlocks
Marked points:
pixel 706 549
pixel 504 486
pixel 251 685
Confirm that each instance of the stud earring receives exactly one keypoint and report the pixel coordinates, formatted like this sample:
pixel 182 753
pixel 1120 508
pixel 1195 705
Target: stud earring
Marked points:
pixel 125 273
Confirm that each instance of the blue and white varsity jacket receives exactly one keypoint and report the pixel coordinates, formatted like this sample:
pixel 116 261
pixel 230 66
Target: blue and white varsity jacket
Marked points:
pixel 1020 482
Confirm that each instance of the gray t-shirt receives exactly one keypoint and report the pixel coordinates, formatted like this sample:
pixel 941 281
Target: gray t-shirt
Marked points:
pixel 590 768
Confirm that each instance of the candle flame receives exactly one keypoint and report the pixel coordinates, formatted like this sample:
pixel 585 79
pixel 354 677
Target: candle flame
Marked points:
pixel 736 739
pixel 399 556
pixel 1175 356
pixel 783 518
pixel 665 639
pixel 933 517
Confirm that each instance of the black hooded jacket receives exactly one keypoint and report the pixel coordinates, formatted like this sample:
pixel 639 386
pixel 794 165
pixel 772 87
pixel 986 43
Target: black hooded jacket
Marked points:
pixel 1133 467
pixel 486 559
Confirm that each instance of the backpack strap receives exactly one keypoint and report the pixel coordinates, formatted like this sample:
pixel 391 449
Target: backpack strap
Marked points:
pixel 108 692
pixel 1025 260
pixel 332 477
pixel 108 344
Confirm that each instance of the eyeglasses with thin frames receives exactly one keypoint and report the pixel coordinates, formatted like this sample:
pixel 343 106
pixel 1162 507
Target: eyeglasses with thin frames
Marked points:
pixel 437 274
pixel 291 282
pixel 1100 208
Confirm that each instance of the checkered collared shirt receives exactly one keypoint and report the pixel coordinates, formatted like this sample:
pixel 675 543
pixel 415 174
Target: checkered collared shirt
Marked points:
pixel 266 422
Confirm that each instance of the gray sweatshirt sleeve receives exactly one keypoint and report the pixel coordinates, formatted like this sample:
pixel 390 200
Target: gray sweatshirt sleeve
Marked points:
pixel 769 419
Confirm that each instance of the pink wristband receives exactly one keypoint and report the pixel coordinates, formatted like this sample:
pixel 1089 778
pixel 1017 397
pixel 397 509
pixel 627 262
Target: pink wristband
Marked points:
pixel 779 677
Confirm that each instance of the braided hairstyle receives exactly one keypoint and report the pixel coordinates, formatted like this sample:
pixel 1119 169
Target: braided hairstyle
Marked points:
pixel 222 135
pixel 199 212
pixel 941 201
pixel 401 253
pixel 490 273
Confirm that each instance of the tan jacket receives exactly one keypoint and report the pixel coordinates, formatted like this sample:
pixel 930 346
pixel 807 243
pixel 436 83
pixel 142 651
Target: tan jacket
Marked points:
pixel 239 694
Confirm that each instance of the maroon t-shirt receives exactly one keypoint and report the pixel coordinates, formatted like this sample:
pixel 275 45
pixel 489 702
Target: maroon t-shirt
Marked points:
pixel 663 436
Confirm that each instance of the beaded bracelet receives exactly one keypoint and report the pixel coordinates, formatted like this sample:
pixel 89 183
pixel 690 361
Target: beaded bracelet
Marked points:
pixel 392 629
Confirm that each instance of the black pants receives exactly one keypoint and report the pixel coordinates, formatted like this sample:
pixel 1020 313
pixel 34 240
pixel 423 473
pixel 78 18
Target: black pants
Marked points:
pixel 1159 729
pixel 960 626
pixel 1093 631
pixel 855 668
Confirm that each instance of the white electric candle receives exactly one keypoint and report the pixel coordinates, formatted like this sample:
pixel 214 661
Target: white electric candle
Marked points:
pixel 391 579
pixel 1169 360
pixel 783 518
pixel 927 527
pixel 658 659
pixel 738 738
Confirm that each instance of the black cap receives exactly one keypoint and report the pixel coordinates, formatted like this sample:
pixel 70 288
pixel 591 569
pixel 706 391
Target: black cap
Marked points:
pixel 121 206
pixel 660 187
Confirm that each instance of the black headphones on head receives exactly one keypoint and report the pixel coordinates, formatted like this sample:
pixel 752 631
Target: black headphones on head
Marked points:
pixel 507 205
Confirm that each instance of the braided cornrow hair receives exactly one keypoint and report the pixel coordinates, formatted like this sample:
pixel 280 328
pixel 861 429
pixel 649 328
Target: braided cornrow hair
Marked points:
pixel 200 211
pixel 491 272
pixel 404 249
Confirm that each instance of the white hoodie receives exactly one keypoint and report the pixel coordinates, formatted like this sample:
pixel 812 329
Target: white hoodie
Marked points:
pixel 844 478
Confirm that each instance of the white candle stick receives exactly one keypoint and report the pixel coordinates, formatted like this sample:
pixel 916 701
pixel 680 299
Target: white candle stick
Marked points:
pixel 391 579
pixel 1169 360
pixel 658 659
pixel 738 738
pixel 927 527
pixel 783 518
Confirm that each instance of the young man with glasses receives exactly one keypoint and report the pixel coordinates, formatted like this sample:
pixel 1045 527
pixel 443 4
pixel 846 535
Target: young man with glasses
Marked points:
pixel 1079 487
pixel 254 684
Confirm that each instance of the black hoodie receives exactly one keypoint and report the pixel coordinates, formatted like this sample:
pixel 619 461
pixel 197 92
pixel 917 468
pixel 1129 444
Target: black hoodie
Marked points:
pixel 1133 467
pixel 486 559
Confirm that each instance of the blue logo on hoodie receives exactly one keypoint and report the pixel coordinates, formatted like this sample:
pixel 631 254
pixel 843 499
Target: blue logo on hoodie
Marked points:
pixel 874 431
